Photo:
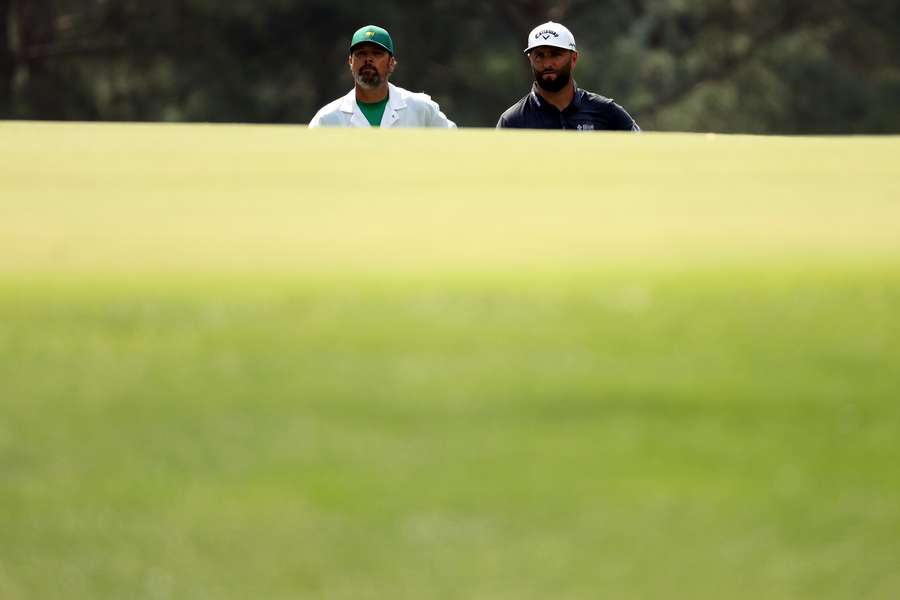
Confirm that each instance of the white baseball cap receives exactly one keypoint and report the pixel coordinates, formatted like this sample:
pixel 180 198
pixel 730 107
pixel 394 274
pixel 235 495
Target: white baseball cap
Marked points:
pixel 551 34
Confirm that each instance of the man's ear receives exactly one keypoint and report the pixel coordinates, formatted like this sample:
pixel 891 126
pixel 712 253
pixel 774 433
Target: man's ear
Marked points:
pixel 392 64
pixel 574 58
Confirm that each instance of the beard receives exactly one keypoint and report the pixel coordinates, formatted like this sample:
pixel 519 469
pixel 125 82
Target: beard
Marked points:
pixel 369 78
pixel 563 75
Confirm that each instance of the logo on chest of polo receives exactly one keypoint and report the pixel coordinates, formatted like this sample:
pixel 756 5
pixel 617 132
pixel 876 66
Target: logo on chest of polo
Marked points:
pixel 585 127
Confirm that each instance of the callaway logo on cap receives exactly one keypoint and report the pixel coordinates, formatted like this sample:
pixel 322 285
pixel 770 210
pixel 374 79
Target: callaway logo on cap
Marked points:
pixel 551 34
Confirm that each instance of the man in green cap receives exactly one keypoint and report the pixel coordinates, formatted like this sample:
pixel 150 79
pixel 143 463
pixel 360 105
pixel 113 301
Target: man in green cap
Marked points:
pixel 373 101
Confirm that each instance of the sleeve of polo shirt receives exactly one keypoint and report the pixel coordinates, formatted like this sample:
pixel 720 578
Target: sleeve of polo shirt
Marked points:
pixel 319 120
pixel 438 118
pixel 623 121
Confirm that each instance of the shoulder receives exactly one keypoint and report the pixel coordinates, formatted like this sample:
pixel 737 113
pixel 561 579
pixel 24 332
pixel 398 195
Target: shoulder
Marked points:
pixel 414 98
pixel 598 102
pixel 617 115
pixel 423 110
pixel 596 99
pixel 332 107
pixel 329 114
pixel 514 116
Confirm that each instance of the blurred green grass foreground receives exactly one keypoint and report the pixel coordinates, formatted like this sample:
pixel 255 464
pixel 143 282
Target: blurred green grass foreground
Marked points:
pixel 279 363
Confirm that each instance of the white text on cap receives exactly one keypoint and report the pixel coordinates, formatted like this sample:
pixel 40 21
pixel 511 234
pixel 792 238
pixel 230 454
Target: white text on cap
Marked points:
pixel 551 34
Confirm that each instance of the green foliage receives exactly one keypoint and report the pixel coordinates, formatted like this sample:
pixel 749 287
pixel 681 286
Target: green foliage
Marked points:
pixel 760 66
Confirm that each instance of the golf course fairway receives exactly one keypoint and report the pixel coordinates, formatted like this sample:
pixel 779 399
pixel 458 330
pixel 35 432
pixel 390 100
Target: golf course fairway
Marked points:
pixel 272 362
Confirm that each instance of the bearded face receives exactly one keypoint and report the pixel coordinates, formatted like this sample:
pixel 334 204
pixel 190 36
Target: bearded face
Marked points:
pixel 368 77
pixel 371 65
pixel 552 67
pixel 553 80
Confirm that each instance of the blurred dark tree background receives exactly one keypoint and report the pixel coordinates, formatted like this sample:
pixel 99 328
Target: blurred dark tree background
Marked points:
pixel 756 66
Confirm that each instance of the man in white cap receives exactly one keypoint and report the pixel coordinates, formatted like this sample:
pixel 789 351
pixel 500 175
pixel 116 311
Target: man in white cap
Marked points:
pixel 555 102
pixel 373 101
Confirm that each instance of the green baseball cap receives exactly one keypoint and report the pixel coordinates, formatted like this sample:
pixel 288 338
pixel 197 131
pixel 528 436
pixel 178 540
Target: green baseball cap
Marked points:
pixel 374 35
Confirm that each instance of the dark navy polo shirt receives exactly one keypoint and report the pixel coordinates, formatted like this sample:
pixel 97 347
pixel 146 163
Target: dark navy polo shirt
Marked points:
pixel 587 112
